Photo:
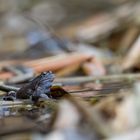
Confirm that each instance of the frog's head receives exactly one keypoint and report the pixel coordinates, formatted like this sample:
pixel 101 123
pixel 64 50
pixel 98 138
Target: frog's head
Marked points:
pixel 46 77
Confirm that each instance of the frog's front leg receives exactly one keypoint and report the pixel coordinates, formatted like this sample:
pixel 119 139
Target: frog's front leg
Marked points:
pixel 11 96
pixel 41 96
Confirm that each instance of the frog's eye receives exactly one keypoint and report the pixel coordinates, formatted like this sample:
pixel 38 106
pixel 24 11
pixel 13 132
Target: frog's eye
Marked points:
pixel 48 72
pixel 44 73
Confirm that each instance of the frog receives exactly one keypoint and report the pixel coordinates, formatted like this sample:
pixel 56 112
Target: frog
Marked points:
pixel 37 88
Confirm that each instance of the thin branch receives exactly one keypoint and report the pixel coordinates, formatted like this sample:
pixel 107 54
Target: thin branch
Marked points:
pixel 16 103
pixel 8 88
pixel 103 79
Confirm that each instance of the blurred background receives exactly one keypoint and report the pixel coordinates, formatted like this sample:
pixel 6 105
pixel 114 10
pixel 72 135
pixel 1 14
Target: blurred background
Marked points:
pixel 25 23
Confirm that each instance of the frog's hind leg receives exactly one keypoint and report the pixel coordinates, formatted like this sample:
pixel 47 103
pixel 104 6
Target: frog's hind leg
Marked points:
pixel 11 96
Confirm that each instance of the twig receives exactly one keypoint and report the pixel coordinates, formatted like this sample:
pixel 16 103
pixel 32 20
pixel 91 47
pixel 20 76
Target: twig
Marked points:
pixel 57 62
pixel 108 78
pixel 15 103
pixel 8 88
pixel 117 87
pixel 12 69
pixel 21 78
